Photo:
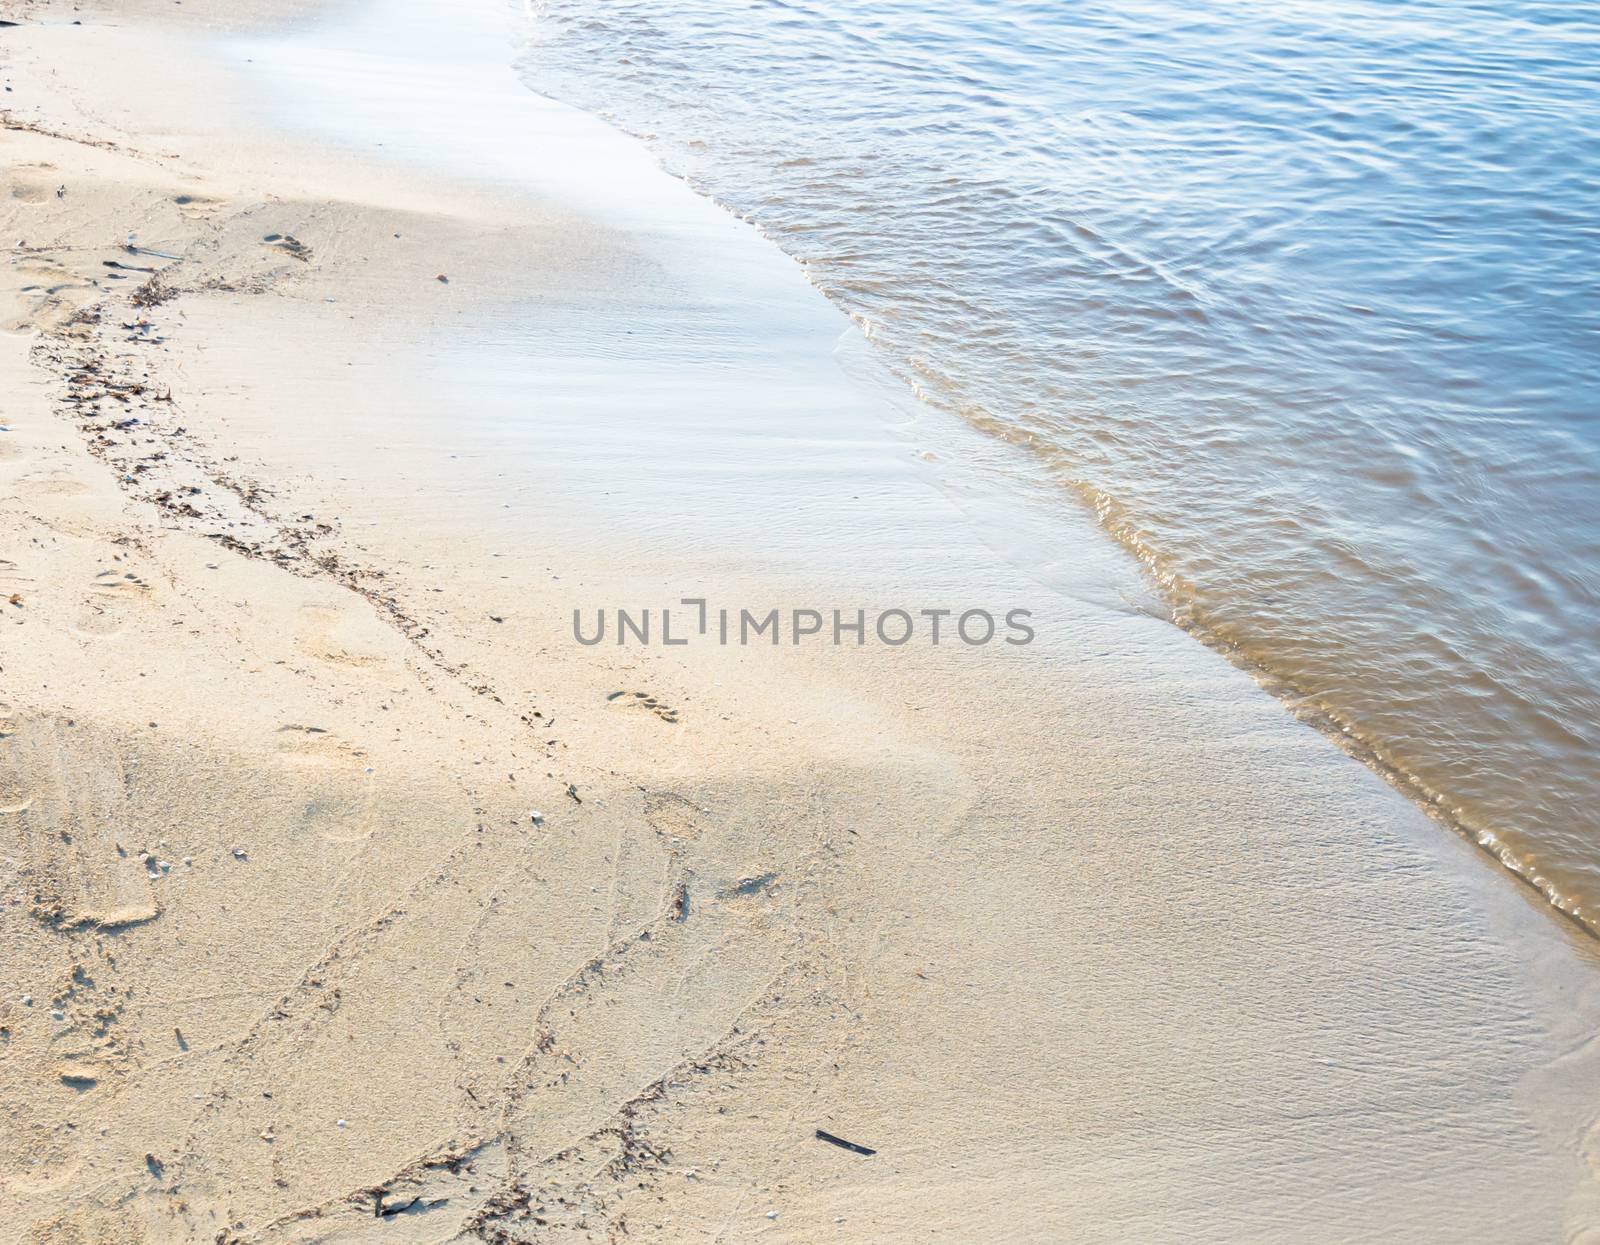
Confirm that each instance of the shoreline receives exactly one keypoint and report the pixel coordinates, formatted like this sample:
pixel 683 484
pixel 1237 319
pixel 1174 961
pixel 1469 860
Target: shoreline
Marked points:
pixel 1344 731
pixel 865 224
pixel 1099 905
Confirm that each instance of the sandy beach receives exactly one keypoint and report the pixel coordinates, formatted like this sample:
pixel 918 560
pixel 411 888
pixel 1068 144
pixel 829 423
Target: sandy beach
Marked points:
pixel 349 897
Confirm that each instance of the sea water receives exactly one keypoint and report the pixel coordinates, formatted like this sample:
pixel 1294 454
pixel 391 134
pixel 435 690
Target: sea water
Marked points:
pixel 1302 298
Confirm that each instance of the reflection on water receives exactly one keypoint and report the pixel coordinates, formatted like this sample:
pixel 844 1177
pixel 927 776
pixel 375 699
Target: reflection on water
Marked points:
pixel 1301 297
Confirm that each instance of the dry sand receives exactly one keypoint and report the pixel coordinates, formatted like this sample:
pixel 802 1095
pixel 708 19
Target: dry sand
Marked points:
pixel 1089 940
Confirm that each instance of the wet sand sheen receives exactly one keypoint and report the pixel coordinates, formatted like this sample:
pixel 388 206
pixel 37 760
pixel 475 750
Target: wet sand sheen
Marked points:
pixel 1293 297
pixel 1087 940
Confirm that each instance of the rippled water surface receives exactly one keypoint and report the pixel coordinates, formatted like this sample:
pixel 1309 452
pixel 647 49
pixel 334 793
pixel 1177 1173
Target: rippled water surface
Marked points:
pixel 1303 297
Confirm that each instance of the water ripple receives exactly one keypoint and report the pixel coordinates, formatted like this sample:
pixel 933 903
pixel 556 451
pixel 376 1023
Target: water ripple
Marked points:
pixel 1301 297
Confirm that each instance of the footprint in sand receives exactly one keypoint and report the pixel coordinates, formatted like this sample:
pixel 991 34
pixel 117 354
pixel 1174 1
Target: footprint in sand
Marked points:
pixel 45 296
pixel 73 789
pixel 289 245
pixel 644 700
pixel 109 603
pixel 316 746
pixel 195 206
pixel 120 584
pixel 339 806
pixel 341 821
pixel 16 795
pixel 42 274
pixel 35 183
pixel 350 639
pixel 672 816
pixel 48 485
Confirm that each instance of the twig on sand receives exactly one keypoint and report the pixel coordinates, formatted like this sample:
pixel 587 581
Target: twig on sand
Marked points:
pixel 843 1144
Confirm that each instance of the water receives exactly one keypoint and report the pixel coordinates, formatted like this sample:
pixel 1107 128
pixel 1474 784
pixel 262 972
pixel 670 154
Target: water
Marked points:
pixel 1300 297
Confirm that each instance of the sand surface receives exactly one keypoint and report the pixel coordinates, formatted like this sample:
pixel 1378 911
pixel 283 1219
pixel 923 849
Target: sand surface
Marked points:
pixel 1088 939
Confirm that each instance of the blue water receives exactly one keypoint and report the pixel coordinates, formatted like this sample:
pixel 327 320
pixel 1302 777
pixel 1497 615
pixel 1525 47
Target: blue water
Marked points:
pixel 1302 298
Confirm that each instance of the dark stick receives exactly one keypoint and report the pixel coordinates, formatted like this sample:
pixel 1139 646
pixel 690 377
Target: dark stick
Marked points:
pixel 842 1143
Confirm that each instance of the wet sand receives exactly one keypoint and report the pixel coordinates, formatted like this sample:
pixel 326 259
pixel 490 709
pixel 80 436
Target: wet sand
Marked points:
pixel 1087 939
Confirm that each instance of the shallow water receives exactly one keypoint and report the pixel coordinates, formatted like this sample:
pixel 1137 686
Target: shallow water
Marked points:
pixel 1300 297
